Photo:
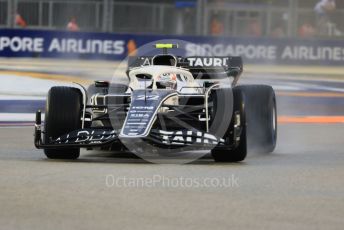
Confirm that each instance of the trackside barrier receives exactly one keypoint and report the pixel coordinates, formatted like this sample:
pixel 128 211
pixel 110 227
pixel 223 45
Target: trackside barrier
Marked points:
pixel 110 46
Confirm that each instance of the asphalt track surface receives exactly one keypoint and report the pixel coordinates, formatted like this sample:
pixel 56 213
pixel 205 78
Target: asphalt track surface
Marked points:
pixel 299 186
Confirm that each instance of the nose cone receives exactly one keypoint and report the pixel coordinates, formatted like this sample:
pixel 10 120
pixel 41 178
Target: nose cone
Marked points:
pixel 142 112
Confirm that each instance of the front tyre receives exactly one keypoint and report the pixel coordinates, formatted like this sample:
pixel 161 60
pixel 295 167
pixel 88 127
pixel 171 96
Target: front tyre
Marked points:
pixel 239 152
pixel 62 115
pixel 261 115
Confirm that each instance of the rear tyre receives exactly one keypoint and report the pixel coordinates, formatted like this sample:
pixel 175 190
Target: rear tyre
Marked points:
pixel 223 154
pixel 62 115
pixel 261 117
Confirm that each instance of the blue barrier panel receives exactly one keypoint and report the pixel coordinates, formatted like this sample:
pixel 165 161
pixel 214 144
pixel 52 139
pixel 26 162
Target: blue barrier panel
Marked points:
pixel 109 46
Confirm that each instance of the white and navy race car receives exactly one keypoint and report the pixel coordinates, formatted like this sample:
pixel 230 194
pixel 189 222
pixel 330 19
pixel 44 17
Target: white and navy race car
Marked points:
pixel 170 104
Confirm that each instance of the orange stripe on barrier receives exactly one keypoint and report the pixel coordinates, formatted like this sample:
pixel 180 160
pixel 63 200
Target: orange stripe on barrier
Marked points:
pixel 310 94
pixel 311 119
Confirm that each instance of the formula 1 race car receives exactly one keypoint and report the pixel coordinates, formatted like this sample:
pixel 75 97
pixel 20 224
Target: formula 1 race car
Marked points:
pixel 170 103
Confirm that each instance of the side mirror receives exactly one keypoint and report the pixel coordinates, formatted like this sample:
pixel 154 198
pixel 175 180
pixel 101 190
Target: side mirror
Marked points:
pixel 102 84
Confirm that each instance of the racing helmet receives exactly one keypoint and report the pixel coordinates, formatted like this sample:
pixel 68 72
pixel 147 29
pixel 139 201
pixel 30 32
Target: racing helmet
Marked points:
pixel 167 81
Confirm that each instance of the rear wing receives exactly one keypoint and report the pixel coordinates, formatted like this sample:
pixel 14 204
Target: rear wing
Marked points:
pixel 200 67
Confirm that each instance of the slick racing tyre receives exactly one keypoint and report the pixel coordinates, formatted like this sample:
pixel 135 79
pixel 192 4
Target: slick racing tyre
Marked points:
pixel 261 115
pixel 62 115
pixel 228 153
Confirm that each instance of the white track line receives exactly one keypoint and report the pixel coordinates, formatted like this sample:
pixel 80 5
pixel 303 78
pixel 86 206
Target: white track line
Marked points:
pixel 18 117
